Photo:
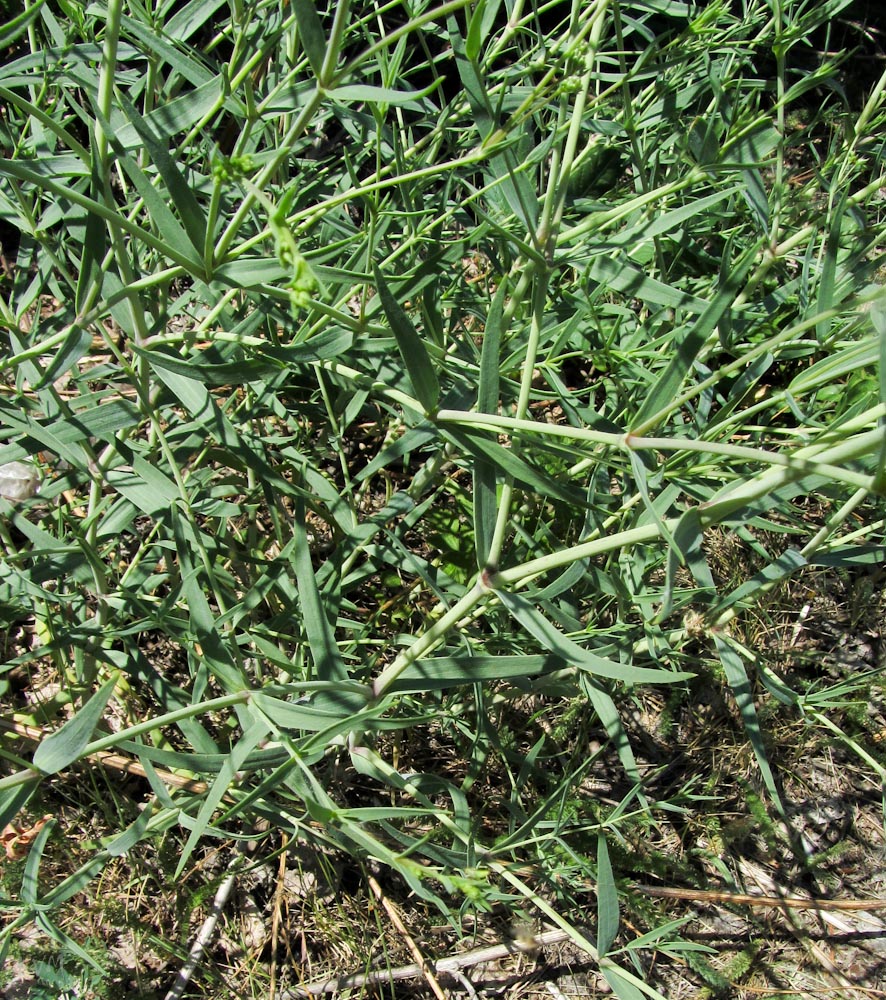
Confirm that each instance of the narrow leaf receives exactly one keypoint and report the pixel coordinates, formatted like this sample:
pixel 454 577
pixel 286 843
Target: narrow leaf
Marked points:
pixel 686 549
pixel 18 25
pixel 64 746
pixel 537 625
pixel 503 168
pixel 324 649
pixel 330 712
pixel 441 672
pixel 662 393
pixel 311 34
pixel 226 777
pixel 412 348
pixel 214 651
pixel 14 799
pixel 478 444
pixel 380 95
pixel 95 238
pixel 607 712
pixel 782 567
pixel 629 279
pixel 65 942
pixel 739 682
pixel 476 34
pixel 77 342
pixel 136 831
pixel 181 193
pixel 607 899
pixel 485 493
pixel 623 988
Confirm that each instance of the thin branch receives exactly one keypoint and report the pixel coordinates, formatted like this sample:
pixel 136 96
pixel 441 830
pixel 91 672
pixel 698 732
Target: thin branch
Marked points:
pixel 741 899
pixel 425 966
pixel 206 931
pixel 453 963
pixel 114 761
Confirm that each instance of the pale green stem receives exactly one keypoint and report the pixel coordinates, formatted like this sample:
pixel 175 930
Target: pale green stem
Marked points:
pixel 853 745
pixel 106 212
pixel 769 258
pixel 436 14
pixel 334 423
pixel 834 521
pixel 426 642
pixel 170 719
pixel 815 543
pixel 814 460
pixel 631 442
pixel 740 364
pixel 503 518
pixel 574 933
pixel 107 73
pixel 10 97
pixel 780 53
pixel 545 241
pixel 598 221
pixel 313 102
pixel 367 382
pixel 333 44
pixel 871 108
pixel 711 512
pixel 149 726
pixel 584 550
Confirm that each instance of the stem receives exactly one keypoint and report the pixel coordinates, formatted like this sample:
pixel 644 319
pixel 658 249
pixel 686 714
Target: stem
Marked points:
pixel 434 635
pixel 106 76
pixel 801 462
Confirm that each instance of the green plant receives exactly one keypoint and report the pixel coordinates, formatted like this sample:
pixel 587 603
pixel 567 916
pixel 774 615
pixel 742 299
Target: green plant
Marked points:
pixel 303 328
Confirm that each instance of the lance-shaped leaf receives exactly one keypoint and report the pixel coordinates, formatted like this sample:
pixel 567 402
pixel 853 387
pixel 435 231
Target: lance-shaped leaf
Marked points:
pixel 65 745
pixel 485 494
pixel 738 679
pixel 311 34
pixel 18 25
pixel 412 348
pixel 324 649
pixel 551 638
pixel 226 777
pixel 661 394
pixel 607 898
pixel 442 672
pixel 180 192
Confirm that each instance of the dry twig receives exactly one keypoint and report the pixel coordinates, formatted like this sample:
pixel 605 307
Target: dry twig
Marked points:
pixel 391 910
pixel 742 899
pixel 451 964
pixel 206 931
pixel 114 761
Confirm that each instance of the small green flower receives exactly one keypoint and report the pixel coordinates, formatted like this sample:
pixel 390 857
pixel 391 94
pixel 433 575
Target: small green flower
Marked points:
pixel 232 168
pixel 302 285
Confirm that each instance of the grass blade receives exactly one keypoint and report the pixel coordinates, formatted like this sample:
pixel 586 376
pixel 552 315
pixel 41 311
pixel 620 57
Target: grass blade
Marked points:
pixel 537 625
pixel 662 393
pixel 739 682
pixel 16 26
pixel 180 193
pixel 226 777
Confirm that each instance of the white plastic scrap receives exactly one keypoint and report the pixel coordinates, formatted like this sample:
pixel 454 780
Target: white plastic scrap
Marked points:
pixel 19 480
